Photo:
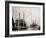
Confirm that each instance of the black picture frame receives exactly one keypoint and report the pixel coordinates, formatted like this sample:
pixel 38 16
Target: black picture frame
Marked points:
pixel 7 18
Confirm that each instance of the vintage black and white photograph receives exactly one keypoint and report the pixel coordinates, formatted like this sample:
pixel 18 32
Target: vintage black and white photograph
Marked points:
pixel 25 18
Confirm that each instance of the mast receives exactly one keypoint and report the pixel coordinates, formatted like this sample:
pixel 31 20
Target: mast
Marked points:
pixel 23 18
pixel 19 21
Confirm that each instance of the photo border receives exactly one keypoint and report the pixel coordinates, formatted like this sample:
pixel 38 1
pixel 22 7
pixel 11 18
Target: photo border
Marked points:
pixel 7 18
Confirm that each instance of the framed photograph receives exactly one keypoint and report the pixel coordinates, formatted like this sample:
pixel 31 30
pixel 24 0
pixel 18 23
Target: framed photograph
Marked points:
pixel 24 18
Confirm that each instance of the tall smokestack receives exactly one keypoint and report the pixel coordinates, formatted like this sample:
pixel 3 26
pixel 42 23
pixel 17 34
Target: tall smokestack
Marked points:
pixel 19 16
pixel 23 15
